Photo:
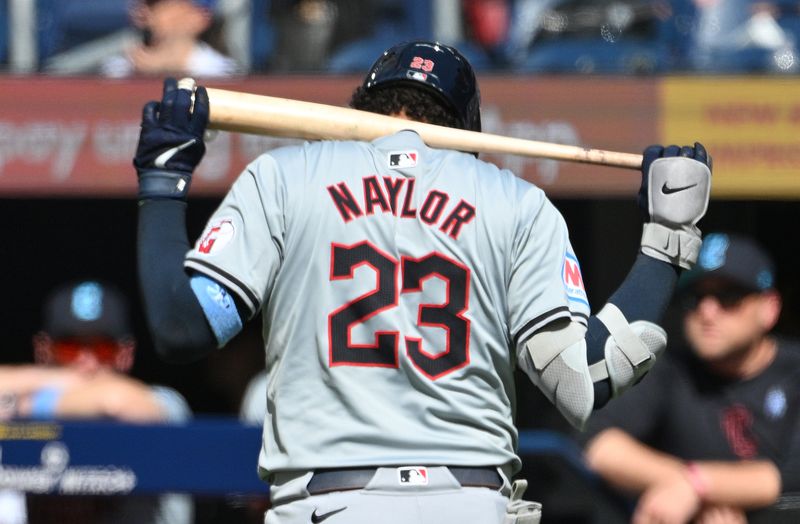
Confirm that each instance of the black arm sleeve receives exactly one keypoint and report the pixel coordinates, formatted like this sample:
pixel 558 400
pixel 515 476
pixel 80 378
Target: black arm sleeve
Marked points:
pixel 176 321
pixel 645 294
pixel 647 291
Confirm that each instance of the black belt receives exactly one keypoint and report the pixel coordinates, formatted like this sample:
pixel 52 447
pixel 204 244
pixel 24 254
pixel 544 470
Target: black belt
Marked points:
pixel 325 481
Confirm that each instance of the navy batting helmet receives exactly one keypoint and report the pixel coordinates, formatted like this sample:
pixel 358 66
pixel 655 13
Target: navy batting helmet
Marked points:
pixel 439 68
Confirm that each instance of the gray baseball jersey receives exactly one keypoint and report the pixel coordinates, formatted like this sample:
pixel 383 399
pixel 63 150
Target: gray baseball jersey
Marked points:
pixel 395 283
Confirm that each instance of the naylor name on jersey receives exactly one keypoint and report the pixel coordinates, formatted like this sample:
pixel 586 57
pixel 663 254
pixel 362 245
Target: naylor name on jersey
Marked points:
pixel 396 196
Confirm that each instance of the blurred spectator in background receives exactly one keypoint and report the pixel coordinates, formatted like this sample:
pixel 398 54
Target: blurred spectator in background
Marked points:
pixel 744 36
pixel 714 433
pixel 83 354
pixel 175 40
pixel 309 31
pixel 487 24
pixel 589 36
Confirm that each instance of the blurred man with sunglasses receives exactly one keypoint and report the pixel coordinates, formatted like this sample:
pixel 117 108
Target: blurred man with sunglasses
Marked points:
pixel 714 434
pixel 83 354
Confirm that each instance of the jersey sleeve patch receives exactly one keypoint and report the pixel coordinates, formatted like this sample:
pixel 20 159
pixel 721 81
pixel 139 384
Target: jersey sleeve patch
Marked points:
pixel 216 236
pixel 219 307
pixel 573 280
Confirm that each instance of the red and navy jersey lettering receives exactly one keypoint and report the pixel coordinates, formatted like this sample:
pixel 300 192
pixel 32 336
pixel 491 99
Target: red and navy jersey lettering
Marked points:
pixel 373 196
pixel 343 352
pixel 436 208
pixel 345 202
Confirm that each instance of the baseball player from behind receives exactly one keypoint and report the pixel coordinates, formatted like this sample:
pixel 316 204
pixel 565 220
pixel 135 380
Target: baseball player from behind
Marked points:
pixel 399 286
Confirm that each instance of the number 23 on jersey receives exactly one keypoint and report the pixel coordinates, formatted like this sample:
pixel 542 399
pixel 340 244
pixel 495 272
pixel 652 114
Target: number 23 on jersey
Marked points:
pixel 385 295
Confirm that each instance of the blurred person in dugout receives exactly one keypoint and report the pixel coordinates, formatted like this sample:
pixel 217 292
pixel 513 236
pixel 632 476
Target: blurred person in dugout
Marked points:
pixel 179 38
pixel 743 35
pixel 714 436
pixel 83 354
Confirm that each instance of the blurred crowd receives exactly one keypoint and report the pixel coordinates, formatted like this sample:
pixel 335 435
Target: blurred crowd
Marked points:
pixel 229 37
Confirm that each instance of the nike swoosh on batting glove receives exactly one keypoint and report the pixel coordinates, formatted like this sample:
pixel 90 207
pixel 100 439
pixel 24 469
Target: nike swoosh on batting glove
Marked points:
pixel 171 142
pixel 676 185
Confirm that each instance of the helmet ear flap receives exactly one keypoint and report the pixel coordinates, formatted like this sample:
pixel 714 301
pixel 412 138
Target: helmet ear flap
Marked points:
pixel 439 68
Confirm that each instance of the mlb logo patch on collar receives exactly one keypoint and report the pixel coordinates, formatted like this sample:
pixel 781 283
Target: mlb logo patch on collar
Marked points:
pixel 412 476
pixel 402 159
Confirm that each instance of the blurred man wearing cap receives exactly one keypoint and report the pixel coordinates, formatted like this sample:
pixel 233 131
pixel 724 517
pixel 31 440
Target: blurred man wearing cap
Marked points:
pixel 82 354
pixel 714 434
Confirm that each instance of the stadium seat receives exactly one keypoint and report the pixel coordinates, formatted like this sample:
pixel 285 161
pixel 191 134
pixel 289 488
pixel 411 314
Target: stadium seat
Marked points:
pixel 358 56
pixel 397 21
pixel 592 56
pixel 63 24
pixel 262 35
pixel 3 33
pixel 477 56
pixel 582 36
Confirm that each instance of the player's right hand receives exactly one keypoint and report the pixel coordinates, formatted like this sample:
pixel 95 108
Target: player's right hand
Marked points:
pixel 676 186
pixel 171 142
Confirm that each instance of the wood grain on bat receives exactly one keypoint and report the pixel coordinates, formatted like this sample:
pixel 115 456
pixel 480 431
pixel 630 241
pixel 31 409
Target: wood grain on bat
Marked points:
pixel 266 115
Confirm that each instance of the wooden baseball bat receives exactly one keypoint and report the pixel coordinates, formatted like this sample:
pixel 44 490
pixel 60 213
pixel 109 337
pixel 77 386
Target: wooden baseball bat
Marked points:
pixel 266 115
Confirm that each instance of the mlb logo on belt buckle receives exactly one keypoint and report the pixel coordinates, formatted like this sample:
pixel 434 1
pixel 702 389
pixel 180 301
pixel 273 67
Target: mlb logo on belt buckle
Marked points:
pixel 412 476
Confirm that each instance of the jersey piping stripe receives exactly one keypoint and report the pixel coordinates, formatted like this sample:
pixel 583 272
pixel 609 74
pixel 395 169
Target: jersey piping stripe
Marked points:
pixel 235 285
pixel 534 325
pixel 537 322
pixel 580 317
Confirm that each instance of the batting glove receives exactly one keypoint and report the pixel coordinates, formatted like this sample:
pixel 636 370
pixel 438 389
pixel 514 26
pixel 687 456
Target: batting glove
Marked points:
pixel 171 142
pixel 676 185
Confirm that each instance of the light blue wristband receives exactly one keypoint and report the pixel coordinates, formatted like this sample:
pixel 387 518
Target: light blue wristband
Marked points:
pixel 219 307
pixel 44 401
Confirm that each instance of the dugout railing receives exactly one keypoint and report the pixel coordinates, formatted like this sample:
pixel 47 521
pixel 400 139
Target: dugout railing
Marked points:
pixel 216 457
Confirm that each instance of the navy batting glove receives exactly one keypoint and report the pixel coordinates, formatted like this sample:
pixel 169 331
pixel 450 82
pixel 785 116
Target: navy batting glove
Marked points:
pixel 171 142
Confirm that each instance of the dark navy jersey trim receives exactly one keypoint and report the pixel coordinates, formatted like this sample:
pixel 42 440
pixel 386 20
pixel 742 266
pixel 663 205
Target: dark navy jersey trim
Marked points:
pixel 247 296
pixel 539 321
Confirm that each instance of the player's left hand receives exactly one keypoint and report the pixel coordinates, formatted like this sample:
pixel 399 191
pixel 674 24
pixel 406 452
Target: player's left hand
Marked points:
pixel 171 142
pixel 676 186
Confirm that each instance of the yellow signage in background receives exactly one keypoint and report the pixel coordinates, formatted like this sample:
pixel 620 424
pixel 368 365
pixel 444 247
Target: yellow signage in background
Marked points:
pixel 29 431
pixel 751 127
